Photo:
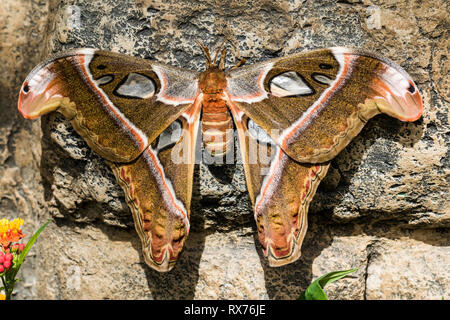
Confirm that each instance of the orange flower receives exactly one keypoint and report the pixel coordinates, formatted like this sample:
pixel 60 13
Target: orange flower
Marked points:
pixel 10 231
pixel 2 296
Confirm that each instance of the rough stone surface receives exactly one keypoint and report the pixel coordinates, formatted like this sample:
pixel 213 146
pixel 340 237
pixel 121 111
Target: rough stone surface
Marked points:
pixel 383 208
pixel 22 28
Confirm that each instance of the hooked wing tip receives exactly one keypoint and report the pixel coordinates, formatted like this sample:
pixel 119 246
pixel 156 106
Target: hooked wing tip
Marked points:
pixel 32 106
pixel 392 88
pixel 397 95
pixel 41 92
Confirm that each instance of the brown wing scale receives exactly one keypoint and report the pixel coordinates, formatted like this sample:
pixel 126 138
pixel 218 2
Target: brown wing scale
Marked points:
pixel 88 87
pixel 308 106
pixel 280 190
pixel 124 107
pixel 341 90
pixel 158 188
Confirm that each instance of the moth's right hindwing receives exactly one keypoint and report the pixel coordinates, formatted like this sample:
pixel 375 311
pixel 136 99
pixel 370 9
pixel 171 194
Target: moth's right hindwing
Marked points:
pixel 280 190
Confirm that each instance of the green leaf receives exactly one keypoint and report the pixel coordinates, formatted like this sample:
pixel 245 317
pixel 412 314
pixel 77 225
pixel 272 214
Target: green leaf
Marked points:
pixel 27 248
pixel 315 290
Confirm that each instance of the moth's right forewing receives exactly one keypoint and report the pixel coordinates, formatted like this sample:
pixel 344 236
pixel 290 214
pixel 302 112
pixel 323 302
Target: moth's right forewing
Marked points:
pixel 117 103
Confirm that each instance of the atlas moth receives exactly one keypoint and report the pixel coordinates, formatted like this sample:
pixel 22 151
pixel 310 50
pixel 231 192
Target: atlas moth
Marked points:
pixel 292 116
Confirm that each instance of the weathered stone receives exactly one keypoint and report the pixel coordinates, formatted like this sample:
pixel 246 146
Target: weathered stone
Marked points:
pixel 420 274
pixel 22 25
pixel 384 207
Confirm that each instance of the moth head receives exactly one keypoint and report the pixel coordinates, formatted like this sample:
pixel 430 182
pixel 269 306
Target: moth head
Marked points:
pixel 212 80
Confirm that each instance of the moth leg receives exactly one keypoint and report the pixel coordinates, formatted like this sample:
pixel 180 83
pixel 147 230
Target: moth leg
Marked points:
pixel 238 64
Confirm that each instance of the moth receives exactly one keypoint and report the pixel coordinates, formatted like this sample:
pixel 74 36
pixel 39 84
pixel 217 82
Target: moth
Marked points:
pixel 292 116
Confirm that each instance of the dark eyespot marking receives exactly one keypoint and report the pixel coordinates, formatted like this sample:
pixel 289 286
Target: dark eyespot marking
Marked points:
pixel 136 85
pixel 321 78
pixel 104 80
pixel 26 88
pixel 101 67
pixel 289 84
pixel 170 136
pixel 325 66
pixel 411 88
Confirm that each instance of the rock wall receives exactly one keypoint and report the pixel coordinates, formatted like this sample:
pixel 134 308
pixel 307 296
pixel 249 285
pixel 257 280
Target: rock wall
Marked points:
pixel 383 208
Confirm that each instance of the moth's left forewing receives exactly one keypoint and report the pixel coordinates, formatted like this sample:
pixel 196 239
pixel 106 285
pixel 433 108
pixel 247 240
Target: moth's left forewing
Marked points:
pixel 314 103
pixel 117 103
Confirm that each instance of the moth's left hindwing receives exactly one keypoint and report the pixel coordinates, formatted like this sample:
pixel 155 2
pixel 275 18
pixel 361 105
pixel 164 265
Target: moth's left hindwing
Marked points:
pixel 142 117
pixel 158 188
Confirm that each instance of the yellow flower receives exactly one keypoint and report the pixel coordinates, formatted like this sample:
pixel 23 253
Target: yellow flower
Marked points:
pixel 2 296
pixel 10 231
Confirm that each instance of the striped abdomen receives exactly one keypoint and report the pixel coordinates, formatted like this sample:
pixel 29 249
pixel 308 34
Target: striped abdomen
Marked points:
pixel 217 126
